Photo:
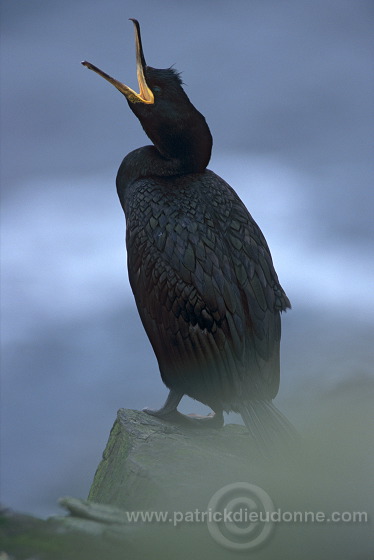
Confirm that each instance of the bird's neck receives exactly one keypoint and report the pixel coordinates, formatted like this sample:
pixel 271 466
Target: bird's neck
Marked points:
pixel 181 145
pixel 148 162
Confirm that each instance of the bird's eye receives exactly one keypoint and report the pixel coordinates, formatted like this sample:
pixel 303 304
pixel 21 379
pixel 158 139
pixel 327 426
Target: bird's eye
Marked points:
pixel 156 89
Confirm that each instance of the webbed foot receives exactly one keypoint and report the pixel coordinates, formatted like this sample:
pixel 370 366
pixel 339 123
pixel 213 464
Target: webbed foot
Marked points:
pixel 192 420
pixel 170 413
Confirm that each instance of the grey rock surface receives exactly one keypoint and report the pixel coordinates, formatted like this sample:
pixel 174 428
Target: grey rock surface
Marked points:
pixel 157 480
pixel 154 464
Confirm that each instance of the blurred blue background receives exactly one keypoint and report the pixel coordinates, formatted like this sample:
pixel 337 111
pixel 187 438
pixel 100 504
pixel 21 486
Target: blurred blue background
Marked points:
pixel 286 88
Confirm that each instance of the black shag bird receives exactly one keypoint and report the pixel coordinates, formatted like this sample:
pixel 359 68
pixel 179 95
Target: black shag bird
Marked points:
pixel 199 266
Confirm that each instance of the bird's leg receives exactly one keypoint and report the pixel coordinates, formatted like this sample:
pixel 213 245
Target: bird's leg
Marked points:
pixel 169 412
pixel 169 408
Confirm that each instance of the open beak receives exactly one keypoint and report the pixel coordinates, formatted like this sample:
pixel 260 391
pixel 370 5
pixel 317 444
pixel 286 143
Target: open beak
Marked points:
pixel 145 94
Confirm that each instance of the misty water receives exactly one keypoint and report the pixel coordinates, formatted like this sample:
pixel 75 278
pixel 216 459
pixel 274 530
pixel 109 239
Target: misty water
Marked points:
pixel 286 90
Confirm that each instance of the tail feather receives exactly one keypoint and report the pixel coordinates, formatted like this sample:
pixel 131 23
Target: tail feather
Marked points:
pixel 267 425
